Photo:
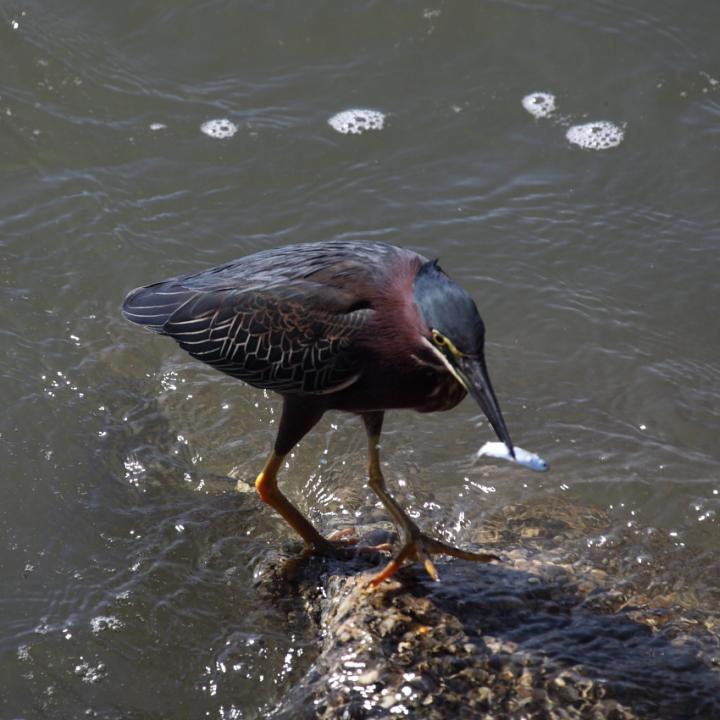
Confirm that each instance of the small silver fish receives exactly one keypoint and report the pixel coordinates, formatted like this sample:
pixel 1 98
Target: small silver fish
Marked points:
pixel 522 457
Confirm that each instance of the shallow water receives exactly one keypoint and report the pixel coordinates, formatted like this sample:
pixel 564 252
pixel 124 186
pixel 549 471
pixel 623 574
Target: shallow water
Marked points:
pixel 127 558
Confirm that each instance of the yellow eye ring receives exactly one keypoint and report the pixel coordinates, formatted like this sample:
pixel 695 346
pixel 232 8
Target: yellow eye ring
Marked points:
pixel 442 342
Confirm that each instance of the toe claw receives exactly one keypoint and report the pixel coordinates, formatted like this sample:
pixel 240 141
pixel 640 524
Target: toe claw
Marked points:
pixel 430 567
pixel 346 536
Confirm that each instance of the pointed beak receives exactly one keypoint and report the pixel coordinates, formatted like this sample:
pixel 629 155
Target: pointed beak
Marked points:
pixel 475 378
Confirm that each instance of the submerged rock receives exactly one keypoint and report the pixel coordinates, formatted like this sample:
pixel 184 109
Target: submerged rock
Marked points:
pixel 553 631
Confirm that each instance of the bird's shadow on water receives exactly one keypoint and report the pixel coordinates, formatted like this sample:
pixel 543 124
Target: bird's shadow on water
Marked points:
pixel 541 634
pixel 578 639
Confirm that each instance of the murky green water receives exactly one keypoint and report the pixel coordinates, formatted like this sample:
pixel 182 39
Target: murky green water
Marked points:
pixel 126 558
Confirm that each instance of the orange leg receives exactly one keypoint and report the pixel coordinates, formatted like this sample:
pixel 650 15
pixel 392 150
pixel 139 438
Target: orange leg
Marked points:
pixel 417 545
pixel 266 485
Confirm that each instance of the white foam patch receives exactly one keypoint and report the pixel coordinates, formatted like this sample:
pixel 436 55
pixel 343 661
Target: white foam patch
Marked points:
pixel 90 674
pixel 540 104
pixel 522 457
pixel 105 622
pixel 357 121
pixel 220 129
pixel 598 135
pixel 157 126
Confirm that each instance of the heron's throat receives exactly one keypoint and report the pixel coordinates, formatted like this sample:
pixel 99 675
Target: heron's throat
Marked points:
pixel 445 390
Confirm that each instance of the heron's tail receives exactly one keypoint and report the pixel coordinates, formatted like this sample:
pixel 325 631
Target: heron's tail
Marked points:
pixel 153 305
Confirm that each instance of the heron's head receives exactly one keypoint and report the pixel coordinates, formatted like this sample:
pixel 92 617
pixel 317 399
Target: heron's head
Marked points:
pixel 456 333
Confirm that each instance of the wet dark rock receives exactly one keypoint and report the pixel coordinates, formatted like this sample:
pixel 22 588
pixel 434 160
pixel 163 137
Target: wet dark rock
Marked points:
pixel 550 632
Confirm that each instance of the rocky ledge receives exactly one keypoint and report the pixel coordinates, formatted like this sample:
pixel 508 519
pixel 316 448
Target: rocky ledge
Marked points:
pixel 559 628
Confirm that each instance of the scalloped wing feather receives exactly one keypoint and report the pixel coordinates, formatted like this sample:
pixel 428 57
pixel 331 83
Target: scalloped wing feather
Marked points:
pixel 285 341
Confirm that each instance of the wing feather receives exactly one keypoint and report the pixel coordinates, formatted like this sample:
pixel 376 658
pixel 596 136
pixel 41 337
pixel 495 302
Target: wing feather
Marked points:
pixel 289 319
pixel 291 340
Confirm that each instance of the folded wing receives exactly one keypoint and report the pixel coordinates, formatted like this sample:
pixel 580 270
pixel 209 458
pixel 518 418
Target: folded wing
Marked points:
pixel 292 338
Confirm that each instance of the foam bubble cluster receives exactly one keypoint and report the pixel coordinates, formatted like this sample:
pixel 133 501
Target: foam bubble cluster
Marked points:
pixel 539 104
pixel 220 129
pixel 105 622
pixel 357 121
pixel 598 135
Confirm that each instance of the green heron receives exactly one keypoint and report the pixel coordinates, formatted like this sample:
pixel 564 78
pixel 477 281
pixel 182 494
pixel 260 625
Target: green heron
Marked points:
pixel 362 327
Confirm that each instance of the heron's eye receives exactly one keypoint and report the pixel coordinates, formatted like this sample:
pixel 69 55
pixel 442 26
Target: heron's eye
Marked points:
pixel 439 339
pixel 445 344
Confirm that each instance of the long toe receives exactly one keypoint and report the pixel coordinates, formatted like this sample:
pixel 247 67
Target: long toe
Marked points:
pixel 345 544
pixel 408 551
pixel 437 547
pixel 422 547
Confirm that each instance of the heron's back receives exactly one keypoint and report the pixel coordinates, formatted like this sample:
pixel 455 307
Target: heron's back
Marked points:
pixel 356 269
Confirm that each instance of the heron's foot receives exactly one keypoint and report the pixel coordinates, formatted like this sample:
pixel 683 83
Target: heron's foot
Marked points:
pixel 348 537
pixel 340 545
pixel 419 546
pixel 343 544
pixel 337 549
